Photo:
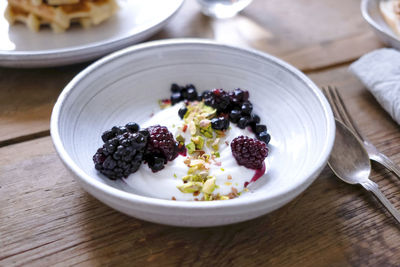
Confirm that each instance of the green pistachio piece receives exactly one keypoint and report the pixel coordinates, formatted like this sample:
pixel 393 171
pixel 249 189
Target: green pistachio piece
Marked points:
pixel 198 141
pixel 190 187
pixel 191 147
pixel 180 139
pixel 208 197
pixel 223 197
pixel 209 186
pixel 192 128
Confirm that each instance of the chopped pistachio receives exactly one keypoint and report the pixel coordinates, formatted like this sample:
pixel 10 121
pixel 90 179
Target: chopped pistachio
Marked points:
pixel 193 169
pixel 180 138
pixel 208 197
pixel 207 131
pixel 175 175
pixel 209 186
pixel 206 157
pixel 198 141
pixel 191 147
pixel 228 183
pixel 204 123
pixel 223 197
pixel 215 144
pixel 222 169
pixel 197 162
pixel 190 187
pixel 203 174
pixel 192 128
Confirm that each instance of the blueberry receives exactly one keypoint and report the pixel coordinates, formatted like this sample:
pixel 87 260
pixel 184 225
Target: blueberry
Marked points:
pixel 184 93
pixel 175 98
pixel 132 127
pixel 247 107
pixel 264 136
pixel 191 94
pixel 234 115
pixel 219 123
pixel 260 128
pixel 243 122
pixel 255 118
pixel 175 88
pixel 107 135
pixel 182 111
pixel 190 86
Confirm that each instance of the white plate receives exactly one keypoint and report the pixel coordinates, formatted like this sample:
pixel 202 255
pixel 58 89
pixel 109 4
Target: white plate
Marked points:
pixel 372 14
pixel 126 85
pixel 135 21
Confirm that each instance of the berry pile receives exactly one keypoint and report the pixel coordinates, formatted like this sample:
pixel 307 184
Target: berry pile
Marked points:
pixel 125 147
pixel 233 105
pixel 249 152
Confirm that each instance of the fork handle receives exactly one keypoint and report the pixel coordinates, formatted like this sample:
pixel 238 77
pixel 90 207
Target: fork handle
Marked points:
pixel 373 187
pixel 389 164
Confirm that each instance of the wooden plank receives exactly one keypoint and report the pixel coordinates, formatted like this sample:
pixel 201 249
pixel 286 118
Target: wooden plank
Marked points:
pixel 27 97
pixel 310 34
pixel 46 219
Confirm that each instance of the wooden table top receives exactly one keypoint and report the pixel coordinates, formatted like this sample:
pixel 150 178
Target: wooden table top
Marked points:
pixel 46 219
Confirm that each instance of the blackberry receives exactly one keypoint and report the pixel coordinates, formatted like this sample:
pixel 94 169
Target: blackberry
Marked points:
pixel 219 123
pixel 155 163
pixel 249 152
pixel 132 127
pixel 182 111
pixel 117 130
pixel 107 135
pixel 120 155
pixel 161 143
pixel 264 136
pixel 234 115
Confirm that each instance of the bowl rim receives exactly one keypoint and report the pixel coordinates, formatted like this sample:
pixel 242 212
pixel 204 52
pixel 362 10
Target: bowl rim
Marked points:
pixel 307 177
pixel 366 15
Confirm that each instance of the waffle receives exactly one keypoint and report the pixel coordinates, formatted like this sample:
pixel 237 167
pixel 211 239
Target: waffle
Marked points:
pixel 391 13
pixel 59 14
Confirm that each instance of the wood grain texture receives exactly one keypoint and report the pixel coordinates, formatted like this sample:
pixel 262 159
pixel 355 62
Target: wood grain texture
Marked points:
pixel 310 34
pixel 47 219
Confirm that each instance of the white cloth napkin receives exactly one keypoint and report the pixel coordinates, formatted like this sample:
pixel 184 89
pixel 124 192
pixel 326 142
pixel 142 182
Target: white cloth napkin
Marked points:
pixel 379 71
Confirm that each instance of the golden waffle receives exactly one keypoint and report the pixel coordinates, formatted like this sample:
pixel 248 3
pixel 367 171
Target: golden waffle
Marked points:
pixel 59 17
pixel 391 13
pixel 54 2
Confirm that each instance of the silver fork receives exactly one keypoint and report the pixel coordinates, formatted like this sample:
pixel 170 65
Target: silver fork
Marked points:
pixel 341 113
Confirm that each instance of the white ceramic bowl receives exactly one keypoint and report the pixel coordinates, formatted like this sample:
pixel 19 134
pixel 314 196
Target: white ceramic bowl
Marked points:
pixel 372 14
pixel 126 85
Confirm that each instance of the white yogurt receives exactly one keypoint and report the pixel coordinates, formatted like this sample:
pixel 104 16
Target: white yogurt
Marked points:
pixel 163 184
